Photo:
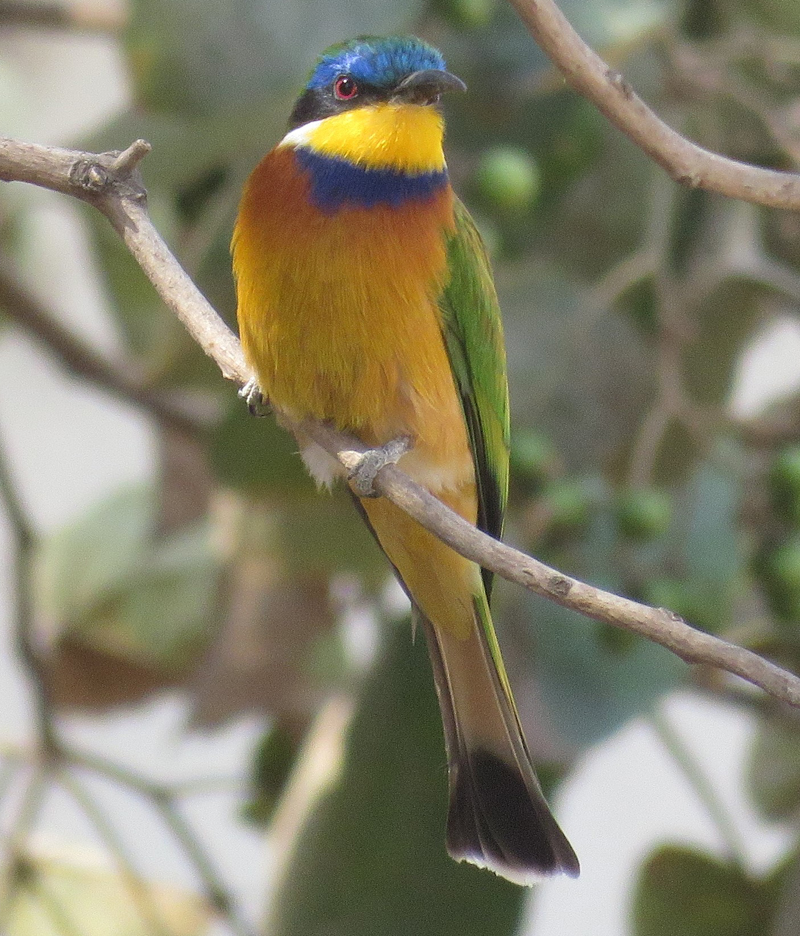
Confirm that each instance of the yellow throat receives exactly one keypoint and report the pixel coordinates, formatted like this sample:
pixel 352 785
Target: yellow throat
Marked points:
pixel 404 137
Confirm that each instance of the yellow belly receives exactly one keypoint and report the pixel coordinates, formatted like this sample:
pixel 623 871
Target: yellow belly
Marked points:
pixel 338 317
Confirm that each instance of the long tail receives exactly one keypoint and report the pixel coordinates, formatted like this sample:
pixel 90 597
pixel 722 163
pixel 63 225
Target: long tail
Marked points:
pixel 498 817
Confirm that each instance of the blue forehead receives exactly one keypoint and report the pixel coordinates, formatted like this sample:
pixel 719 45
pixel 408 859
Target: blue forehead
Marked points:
pixel 381 62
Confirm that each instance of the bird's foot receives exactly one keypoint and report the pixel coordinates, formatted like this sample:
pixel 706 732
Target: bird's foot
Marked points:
pixel 255 399
pixel 361 477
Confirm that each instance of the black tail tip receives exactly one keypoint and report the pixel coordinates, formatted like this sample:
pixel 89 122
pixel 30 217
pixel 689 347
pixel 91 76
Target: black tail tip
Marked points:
pixel 499 821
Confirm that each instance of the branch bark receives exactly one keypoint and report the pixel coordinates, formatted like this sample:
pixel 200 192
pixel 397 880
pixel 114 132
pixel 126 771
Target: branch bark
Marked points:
pixel 607 89
pixel 111 182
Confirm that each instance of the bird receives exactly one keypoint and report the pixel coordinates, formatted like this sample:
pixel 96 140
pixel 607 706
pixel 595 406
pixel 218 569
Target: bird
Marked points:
pixel 365 299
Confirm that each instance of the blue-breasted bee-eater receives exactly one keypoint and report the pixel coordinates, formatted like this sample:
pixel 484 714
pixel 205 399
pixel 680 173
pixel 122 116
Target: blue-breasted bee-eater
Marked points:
pixel 365 298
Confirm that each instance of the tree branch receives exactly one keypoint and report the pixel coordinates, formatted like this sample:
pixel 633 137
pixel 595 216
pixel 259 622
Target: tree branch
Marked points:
pixel 111 182
pixel 121 378
pixel 685 162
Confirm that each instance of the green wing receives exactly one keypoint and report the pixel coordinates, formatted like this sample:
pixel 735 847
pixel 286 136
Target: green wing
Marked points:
pixel 474 337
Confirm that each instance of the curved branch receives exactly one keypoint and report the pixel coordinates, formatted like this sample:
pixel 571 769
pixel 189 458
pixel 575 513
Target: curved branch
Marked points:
pixel 611 94
pixel 111 183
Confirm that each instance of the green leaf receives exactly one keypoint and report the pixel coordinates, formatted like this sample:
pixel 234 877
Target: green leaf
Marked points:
pixel 164 612
pixel 82 565
pixel 110 581
pixel 466 14
pixel 370 859
pixel 784 484
pixel 615 22
pixel 725 323
pixel 773 772
pixel 711 541
pixel 778 14
pixel 682 892
pixel 507 180
pixel 643 513
pixel 707 538
pixel 152 333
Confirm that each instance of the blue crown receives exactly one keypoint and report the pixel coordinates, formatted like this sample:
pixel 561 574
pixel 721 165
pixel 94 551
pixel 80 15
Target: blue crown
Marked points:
pixel 375 60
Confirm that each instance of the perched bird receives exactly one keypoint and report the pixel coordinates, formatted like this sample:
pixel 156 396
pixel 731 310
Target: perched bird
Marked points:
pixel 365 299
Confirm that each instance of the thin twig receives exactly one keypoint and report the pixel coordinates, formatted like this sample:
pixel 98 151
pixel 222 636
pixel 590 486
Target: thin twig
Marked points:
pixel 123 201
pixel 139 891
pixel 121 378
pixel 163 798
pixel 700 784
pixel 23 615
pixel 25 819
pixel 606 88
pixel 216 892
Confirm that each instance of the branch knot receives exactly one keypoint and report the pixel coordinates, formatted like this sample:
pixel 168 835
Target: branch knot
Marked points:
pixel 89 175
pixel 559 585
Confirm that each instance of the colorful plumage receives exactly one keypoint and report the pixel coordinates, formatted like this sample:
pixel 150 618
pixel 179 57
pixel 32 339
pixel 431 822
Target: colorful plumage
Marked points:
pixel 366 299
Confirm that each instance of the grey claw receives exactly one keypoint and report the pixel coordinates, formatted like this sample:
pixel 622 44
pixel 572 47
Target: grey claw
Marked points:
pixel 361 477
pixel 255 399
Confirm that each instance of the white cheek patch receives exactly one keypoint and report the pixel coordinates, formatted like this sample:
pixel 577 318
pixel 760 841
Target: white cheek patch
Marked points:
pixel 300 136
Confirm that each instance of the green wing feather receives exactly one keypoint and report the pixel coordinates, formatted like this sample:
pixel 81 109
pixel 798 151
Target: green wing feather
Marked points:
pixel 473 334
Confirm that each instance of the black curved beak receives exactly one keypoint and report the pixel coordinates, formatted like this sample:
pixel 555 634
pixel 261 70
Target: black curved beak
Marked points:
pixel 425 87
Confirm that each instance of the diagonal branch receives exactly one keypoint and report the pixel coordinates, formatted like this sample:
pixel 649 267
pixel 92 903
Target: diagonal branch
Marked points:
pixel 111 183
pixel 611 94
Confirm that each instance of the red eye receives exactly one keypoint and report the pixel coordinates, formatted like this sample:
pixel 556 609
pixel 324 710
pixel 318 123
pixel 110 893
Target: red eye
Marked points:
pixel 345 88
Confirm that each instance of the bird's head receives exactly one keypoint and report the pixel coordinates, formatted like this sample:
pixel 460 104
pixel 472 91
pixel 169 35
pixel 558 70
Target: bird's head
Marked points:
pixel 372 101
pixel 372 70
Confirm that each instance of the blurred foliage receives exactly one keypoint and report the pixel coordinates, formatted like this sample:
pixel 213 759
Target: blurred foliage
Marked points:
pixel 371 859
pixel 629 305
pixel 61 896
pixel 685 893
pixel 108 580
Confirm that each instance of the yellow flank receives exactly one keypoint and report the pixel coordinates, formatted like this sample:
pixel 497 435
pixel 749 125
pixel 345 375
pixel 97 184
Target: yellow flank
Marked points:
pixel 442 582
pixel 405 137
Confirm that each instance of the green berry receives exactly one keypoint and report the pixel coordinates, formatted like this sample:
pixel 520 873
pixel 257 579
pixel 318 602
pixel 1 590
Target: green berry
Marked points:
pixel 568 502
pixel 507 180
pixel 643 513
